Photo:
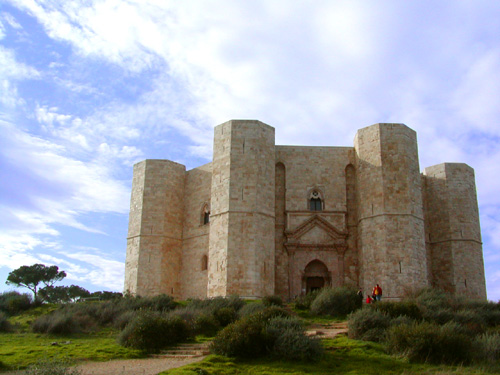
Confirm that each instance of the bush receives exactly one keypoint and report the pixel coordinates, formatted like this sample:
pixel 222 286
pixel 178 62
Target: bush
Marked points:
pixel 52 367
pixel 471 321
pixel 304 302
pixel 272 312
pixel 336 301
pixel 280 324
pixel 295 345
pixel 431 299
pixel 427 342
pixel 225 316
pixel 368 325
pixel 266 332
pixel 487 348
pixel 251 308
pixel 56 324
pixel 438 315
pixel 5 325
pixel 245 338
pixel 162 303
pixel 12 303
pixel 272 301
pixel 151 331
pixel 123 319
pixel 212 304
pixel 395 309
pixel 206 325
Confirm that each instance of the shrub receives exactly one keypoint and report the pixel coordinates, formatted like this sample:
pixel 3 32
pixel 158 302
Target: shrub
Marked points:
pixel 336 301
pixel 471 321
pixel 272 301
pixel 12 303
pixel 438 315
pixel 395 309
pixel 428 342
pixel 151 331
pixel 431 298
pixel 266 332
pixel 295 345
pixel 368 325
pixel 245 338
pixel 160 303
pixel 280 324
pixel 272 312
pixel 487 348
pixel 303 302
pixel 206 325
pixel 217 303
pixel 51 367
pixel 187 314
pixel 56 324
pixel 5 325
pixel 489 312
pixel 225 316
pixel 251 308
pixel 123 319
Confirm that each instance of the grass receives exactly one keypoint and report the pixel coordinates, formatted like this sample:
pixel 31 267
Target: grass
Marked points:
pixel 343 356
pixel 23 320
pixel 18 350
pixel 316 319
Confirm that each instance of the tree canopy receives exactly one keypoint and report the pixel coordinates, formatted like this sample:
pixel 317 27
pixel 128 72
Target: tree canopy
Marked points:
pixel 63 294
pixel 31 276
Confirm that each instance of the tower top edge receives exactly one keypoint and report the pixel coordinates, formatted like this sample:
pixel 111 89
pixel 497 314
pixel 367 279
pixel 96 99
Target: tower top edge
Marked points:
pixel 245 122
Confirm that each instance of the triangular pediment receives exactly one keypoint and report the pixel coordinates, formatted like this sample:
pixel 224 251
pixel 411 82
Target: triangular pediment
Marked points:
pixel 316 230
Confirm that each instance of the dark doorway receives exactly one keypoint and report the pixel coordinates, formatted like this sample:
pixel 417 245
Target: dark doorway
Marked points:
pixel 316 276
pixel 314 283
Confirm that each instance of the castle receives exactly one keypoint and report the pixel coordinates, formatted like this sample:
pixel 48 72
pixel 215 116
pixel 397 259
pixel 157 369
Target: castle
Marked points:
pixel 263 219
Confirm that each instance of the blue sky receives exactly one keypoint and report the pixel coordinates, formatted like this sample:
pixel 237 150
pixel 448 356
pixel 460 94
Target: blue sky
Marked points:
pixel 88 88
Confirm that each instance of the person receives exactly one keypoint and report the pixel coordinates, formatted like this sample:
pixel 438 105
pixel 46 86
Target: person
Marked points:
pixel 360 294
pixel 369 299
pixel 378 292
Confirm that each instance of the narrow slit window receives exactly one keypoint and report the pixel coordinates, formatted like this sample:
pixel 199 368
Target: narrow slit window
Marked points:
pixel 204 263
pixel 205 214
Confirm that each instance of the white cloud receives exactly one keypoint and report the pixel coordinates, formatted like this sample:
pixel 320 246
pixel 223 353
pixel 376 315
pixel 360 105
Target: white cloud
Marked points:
pixel 102 272
pixel 12 70
pixel 81 186
pixel 478 94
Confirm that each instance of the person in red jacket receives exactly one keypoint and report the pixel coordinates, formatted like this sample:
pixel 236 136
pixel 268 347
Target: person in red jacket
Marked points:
pixel 369 299
pixel 377 291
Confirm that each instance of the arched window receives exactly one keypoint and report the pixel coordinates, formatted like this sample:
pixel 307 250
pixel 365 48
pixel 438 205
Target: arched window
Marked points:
pixel 205 214
pixel 204 263
pixel 315 202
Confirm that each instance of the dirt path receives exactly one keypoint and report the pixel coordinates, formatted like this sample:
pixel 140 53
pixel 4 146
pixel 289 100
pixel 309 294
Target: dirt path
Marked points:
pixel 146 366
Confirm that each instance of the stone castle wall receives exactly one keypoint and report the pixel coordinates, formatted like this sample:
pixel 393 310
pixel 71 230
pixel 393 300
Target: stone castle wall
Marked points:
pixel 195 236
pixel 381 221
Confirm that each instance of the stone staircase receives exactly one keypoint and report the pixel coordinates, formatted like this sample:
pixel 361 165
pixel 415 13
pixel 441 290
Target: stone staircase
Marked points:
pixel 188 350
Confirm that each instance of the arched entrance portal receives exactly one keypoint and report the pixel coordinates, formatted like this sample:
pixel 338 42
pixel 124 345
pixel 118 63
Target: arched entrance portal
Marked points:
pixel 316 276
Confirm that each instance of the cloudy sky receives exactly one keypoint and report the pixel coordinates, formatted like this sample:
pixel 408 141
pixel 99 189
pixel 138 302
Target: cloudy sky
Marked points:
pixel 88 88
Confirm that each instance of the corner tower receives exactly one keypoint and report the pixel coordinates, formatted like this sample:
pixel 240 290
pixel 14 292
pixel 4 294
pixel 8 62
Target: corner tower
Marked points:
pixel 390 214
pixel 453 231
pixel 154 242
pixel 242 221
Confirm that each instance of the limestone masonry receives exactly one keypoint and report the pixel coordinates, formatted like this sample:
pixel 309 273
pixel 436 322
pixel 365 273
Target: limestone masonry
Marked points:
pixel 263 219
